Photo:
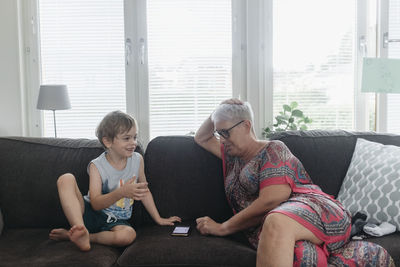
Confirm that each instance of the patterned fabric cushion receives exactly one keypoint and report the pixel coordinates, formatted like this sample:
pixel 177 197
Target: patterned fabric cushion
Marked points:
pixel 372 182
pixel 360 254
pixel 354 253
pixel 308 254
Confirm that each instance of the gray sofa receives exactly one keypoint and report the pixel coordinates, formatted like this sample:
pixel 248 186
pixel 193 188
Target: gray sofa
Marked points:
pixel 185 181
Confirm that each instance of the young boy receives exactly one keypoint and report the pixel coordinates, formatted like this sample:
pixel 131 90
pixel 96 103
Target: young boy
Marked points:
pixel 116 179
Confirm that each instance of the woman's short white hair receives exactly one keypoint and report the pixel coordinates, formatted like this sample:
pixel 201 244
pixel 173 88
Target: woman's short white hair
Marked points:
pixel 233 113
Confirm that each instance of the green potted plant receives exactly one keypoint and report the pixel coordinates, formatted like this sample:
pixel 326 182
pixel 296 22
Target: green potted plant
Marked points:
pixel 291 118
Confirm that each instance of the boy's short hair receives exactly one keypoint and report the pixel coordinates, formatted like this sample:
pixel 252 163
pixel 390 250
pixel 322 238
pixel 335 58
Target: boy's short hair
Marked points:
pixel 114 123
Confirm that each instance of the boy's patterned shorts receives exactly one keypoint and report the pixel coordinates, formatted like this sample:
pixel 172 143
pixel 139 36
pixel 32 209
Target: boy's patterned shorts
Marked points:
pixel 97 221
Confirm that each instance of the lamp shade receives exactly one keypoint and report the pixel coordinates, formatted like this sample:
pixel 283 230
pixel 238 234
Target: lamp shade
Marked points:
pixel 53 97
pixel 381 75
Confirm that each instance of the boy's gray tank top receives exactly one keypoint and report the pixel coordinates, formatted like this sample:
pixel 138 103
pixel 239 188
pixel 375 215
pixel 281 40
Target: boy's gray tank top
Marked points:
pixel 112 179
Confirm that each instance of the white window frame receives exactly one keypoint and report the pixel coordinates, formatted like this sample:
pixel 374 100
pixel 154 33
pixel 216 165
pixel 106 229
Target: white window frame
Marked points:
pixel 382 52
pixel 259 90
pixel 32 72
pixel 252 57
pixel 361 115
pixel 251 66
pixel 137 82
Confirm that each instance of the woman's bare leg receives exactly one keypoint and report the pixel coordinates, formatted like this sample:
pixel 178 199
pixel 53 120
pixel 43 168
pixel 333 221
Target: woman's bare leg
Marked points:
pixel 277 240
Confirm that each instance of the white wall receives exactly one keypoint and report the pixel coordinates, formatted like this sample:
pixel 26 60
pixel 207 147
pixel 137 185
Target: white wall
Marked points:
pixel 11 107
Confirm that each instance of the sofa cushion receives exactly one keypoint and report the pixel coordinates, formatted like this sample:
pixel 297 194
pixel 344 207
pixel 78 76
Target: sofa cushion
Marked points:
pixel 326 154
pixel 185 179
pixel 32 247
pixel 372 183
pixel 29 168
pixel 155 246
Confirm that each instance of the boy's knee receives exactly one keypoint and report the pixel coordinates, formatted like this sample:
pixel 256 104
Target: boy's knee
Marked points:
pixel 65 178
pixel 125 237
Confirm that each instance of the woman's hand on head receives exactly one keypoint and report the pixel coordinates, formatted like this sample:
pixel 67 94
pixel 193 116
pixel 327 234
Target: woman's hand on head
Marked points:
pixel 168 221
pixel 232 101
pixel 207 226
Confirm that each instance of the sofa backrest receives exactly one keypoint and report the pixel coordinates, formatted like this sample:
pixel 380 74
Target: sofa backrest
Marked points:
pixel 29 168
pixel 326 155
pixel 185 179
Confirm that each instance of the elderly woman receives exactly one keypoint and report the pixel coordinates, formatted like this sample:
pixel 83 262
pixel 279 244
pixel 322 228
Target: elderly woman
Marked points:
pixel 273 198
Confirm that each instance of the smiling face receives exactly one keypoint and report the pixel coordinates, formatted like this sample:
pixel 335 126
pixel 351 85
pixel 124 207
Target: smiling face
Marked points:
pixel 124 144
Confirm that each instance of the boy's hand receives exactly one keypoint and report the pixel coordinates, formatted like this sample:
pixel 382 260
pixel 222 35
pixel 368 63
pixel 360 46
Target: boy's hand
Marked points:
pixel 136 191
pixel 168 221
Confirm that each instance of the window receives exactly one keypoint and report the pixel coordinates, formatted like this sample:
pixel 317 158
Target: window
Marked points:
pixel 170 62
pixel 189 62
pixel 314 59
pixel 82 46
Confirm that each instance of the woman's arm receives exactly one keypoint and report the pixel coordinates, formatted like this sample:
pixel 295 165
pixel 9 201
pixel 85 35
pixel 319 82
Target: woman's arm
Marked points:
pixel 205 138
pixel 148 202
pixel 205 134
pixel 270 197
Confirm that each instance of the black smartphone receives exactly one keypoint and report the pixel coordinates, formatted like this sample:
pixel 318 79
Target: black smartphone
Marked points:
pixel 181 231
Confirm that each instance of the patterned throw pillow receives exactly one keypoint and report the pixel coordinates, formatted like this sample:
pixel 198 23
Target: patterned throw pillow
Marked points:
pixel 372 183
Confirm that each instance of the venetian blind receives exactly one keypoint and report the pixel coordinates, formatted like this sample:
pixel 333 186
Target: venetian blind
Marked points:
pixel 190 62
pixel 313 59
pixel 82 46
pixel 393 121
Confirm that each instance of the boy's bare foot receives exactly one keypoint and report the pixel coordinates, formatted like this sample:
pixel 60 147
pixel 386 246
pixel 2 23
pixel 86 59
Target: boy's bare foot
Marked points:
pixel 79 235
pixel 59 234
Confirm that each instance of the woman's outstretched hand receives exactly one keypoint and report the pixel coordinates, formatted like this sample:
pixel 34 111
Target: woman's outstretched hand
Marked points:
pixel 208 226
pixel 232 101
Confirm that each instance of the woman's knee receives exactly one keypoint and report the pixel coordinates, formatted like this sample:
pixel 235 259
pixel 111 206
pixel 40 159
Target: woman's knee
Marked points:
pixel 278 226
pixel 124 236
pixel 274 226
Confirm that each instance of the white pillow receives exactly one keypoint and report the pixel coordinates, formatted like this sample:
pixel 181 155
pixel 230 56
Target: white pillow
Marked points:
pixel 372 183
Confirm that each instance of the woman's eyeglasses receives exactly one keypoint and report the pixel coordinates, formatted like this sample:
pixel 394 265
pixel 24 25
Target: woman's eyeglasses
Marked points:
pixel 225 132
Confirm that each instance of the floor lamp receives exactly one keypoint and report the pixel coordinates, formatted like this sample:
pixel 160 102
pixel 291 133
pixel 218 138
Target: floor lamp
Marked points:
pixel 380 75
pixel 53 97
